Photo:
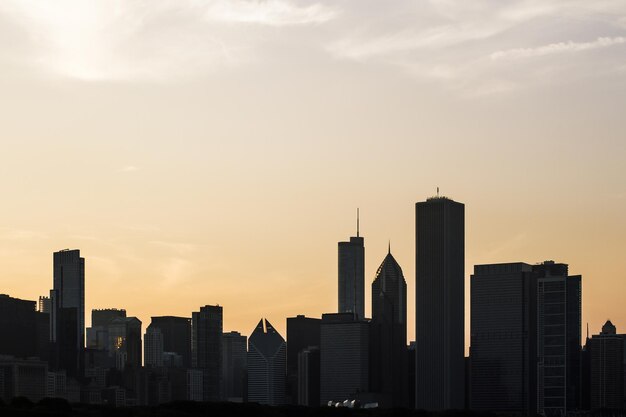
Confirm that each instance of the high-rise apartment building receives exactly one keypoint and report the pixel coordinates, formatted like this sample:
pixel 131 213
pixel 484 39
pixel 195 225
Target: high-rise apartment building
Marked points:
pixel 206 349
pixel 302 333
pixel 234 366
pixel 267 359
pixel 67 311
pixel 439 321
pixel 352 276
pixel 344 357
pixel 558 339
pixel 504 339
pixel 388 350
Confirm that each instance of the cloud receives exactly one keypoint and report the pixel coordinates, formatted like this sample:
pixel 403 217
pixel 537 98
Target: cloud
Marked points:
pixel 269 12
pixel 99 40
pixel 21 235
pixel 558 48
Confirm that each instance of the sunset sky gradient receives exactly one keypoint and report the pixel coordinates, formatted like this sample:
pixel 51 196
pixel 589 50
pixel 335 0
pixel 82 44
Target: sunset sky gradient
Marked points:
pixel 214 151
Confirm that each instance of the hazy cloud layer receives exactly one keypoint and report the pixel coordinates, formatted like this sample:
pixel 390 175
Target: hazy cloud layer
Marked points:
pixel 468 46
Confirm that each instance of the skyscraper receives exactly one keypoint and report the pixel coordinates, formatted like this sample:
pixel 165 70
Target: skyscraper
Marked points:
pixel 67 316
pixel 440 258
pixel 302 333
pixel 558 339
pixel 352 276
pixel 153 348
pixel 267 354
pixel 344 357
pixel 234 366
pixel 176 333
pixel 124 334
pixel 504 339
pixel 607 369
pixel 388 350
pixel 206 349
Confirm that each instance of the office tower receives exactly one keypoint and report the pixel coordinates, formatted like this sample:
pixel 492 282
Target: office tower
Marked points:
pixel 234 366
pixel 302 332
pixel 206 349
pixel 125 342
pixel 176 333
pixel 504 338
pixel 153 348
pixel 309 377
pixel 623 336
pixel 439 330
pixel 44 305
pixel 267 360
pixel 558 339
pixel 26 378
pixel 24 332
pixel 344 357
pixel 388 354
pixel 607 369
pixel 67 317
pixel 98 333
pixel 352 276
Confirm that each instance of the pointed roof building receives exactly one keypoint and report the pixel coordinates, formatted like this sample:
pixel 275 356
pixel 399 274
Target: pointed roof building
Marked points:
pixel 267 360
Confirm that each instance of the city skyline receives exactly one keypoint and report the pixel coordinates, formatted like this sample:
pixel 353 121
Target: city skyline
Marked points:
pixel 197 147
pixel 281 326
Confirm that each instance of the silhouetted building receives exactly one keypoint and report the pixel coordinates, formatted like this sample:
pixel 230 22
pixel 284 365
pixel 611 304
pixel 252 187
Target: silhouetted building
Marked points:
pixel 234 366
pixel 125 342
pixel 411 372
pixel 153 348
pixel 388 352
pixel 607 369
pixel 558 339
pixel 302 332
pixel 352 276
pixel 98 333
pixel 67 311
pixel 206 349
pixel 44 305
pixel 24 332
pixel 267 360
pixel 23 378
pixel 176 335
pixel 504 338
pixel 440 344
pixel 309 377
pixel 344 360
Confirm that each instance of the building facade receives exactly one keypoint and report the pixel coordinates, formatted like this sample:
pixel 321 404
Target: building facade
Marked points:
pixel 302 333
pixel 504 338
pixel 351 280
pixel 607 369
pixel 388 349
pixel 267 360
pixel 440 344
pixel 344 357
pixel 558 339
pixel 234 366
pixel 176 333
pixel 206 349
pixel 67 311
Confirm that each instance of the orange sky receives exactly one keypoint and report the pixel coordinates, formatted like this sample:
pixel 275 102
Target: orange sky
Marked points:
pixel 217 154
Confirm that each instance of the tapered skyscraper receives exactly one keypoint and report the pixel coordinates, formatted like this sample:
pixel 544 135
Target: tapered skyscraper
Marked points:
pixel 388 353
pixel 440 257
pixel 67 318
pixel 352 275
pixel 267 360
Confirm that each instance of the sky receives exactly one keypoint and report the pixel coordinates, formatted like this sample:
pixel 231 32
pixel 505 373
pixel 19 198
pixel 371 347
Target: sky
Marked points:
pixel 215 151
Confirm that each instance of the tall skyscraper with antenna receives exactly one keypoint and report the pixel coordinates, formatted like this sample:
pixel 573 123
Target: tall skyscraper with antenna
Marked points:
pixel 352 275
pixel 439 332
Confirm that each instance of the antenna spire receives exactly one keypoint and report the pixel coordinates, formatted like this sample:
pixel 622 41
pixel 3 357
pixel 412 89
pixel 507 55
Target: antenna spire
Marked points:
pixel 390 246
pixel 437 191
pixel 357 222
